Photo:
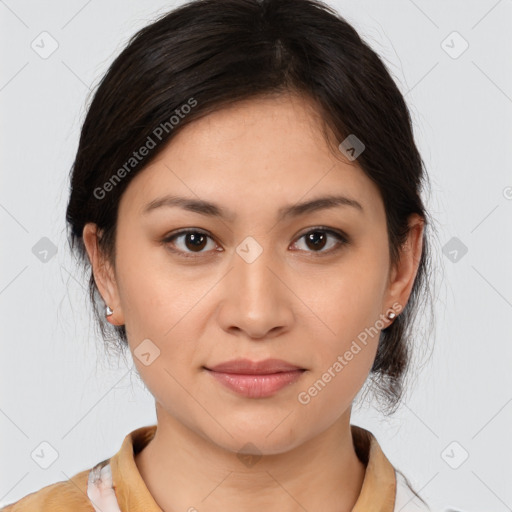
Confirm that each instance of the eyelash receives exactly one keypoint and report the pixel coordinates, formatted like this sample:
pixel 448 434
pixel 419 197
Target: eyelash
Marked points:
pixel 342 239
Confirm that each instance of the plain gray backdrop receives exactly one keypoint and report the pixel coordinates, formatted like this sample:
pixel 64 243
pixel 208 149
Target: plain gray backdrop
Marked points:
pixel 451 60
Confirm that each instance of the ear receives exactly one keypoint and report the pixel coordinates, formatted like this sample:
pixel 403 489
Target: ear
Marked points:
pixel 103 273
pixel 402 275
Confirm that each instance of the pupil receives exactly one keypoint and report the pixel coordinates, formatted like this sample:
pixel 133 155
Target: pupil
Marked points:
pixel 197 240
pixel 317 238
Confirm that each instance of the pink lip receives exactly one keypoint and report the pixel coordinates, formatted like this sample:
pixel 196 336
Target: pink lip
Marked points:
pixel 256 379
pixel 248 367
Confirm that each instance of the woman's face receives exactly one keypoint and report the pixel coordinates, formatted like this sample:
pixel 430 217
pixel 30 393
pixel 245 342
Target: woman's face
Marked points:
pixel 260 283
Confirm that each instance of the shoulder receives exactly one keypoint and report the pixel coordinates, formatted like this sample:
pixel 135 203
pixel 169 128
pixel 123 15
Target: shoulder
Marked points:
pixel 68 495
pixel 406 499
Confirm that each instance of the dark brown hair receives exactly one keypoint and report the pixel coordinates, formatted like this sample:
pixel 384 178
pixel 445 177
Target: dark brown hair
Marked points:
pixel 208 54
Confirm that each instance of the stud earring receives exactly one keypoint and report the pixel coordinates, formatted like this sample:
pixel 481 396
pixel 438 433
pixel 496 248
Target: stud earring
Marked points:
pixel 108 311
pixel 391 315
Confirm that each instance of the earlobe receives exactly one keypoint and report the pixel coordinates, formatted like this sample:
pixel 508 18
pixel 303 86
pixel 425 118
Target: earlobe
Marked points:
pixel 109 315
pixel 103 274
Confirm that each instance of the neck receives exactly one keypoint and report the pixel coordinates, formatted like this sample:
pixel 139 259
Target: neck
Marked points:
pixel 185 471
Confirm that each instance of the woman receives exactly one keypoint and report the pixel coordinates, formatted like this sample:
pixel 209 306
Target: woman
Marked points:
pixel 247 195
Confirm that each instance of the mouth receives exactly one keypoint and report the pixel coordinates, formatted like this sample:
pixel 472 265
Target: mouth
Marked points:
pixel 254 379
pixel 248 367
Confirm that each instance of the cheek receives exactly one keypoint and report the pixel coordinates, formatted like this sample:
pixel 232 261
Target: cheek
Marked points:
pixel 345 327
pixel 344 352
pixel 348 300
pixel 161 305
pixel 155 297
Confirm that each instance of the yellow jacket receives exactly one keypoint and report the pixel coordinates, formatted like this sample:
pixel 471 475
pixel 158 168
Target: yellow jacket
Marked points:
pixel 115 484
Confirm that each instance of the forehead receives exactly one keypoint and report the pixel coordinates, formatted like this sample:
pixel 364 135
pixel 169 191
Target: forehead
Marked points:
pixel 254 153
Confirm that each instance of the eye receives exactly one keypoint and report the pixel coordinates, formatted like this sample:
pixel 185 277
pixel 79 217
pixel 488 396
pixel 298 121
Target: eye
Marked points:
pixel 317 239
pixel 188 242
pixel 192 241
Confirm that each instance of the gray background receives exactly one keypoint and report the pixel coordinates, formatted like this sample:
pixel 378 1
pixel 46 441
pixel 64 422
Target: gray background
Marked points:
pixel 57 385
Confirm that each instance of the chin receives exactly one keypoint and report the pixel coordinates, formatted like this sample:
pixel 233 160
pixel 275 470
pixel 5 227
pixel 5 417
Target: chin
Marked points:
pixel 258 438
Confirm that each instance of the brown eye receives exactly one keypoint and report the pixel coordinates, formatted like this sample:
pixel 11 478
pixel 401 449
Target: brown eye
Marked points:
pixel 317 239
pixel 195 241
pixel 188 242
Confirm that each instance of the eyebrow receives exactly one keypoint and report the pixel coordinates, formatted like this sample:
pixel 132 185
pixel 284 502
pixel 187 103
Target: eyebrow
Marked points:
pixel 212 210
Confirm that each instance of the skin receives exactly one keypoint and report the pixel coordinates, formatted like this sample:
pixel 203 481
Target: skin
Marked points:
pixel 292 303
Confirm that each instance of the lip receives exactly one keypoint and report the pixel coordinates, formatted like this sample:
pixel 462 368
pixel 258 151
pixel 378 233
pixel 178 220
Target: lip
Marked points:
pixel 256 379
pixel 248 367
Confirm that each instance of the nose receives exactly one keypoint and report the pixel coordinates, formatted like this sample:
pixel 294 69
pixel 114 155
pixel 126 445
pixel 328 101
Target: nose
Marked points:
pixel 256 298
